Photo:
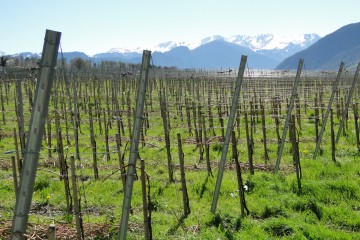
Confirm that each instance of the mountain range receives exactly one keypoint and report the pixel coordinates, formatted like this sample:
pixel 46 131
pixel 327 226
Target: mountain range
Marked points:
pixel 328 52
pixel 264 51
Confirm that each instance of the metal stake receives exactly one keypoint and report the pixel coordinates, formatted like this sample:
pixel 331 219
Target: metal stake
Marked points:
pixel 36 132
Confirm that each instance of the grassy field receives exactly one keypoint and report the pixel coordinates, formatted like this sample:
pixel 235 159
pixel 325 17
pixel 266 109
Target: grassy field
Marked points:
pixel 326 207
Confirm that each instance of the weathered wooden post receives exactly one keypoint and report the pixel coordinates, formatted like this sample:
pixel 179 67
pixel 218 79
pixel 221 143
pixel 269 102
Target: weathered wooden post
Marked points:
pixel 51 233
pixel 288 116
pixel 332 136
pixel 93 144
pixel 356 119
pixel 323 124
pixel 2 104
pixel 79 232
pixel 166 134
pixel 36 131
pixel 186 205
pixel 16 186
pixel 146 213
pixel 239 177
pixel 263 124
pixel 348 100
pixel 229 129
pixel 207 148
pixel 75 119
pixel 134 154
pixel 295 151
pixel 18 159
pixel 249 144
pixel 20 114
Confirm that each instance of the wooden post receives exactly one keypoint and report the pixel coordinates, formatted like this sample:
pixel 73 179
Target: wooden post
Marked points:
pixel 51 233
pixel 16 186
pixel 221 120
pixel 323 125
pixel 121 161
pixel 229 129
pixel 348 100
pixel 166 134
pixel 36 131
pixel 106 128
pixel 188 116
pixel 75 120
pixel 20 114
pixel 183 180
pixel 207 148
pixel 249 144
pixel 266 154
pixel 276 117
pixel 317 119
pixel 298 112
pixel 79 233
pixel 48 124
pixel 356 118
pixel 195 126
pixel 211 120
pixel 239 177
pixel 147 227
pixel 134 152
pixel 295 150
pixel 64 173
pixel 288 116
pixel 93 144
pixel 2 104
pixel 333 148
pixel 18 160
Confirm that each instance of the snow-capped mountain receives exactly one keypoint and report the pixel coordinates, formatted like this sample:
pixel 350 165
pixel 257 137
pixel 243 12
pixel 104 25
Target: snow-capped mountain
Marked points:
pixel 273 47
pixel 270 41
pixel 125 51
pixel 256 42
pixel 264 51
pixel 342 45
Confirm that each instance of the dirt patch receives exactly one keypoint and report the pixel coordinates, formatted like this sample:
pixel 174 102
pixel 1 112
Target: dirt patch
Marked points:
pixel 63 231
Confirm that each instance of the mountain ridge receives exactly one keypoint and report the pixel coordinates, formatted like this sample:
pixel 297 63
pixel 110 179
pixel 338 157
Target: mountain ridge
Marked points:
pixel 266 51
pixel 327 53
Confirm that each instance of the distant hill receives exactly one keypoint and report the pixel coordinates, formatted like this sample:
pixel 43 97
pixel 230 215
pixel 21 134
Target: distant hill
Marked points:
pixel 328 52
pixel 215 54
pixel 264 51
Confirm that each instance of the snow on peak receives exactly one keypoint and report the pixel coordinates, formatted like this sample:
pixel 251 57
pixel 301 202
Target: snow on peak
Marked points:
pixel 211 38
pixel 270 41
pixel 167 46
pixel 125 51
pixel 254 42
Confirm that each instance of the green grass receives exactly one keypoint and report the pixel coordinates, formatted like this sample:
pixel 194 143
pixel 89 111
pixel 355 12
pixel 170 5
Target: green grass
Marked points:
pixel 326 207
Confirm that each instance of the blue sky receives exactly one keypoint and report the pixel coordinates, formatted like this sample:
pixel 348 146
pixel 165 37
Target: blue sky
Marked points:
pixel 94 26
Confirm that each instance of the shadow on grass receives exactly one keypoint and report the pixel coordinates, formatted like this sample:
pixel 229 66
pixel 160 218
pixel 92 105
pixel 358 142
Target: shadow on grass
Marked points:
pixel 226 224
pixel 174 228
pixel 203 188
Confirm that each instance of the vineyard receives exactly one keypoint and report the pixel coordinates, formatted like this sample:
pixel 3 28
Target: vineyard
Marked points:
pixel 83 162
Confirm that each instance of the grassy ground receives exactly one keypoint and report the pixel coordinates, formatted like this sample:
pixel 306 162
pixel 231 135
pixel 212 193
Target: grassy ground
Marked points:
pixel 326 207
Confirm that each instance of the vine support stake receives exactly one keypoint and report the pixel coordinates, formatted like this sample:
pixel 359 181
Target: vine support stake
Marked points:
pixel 230 127
pixel 141 93
pixel 323 124
pixel 348 100
pixel 36 132
pixel 288 116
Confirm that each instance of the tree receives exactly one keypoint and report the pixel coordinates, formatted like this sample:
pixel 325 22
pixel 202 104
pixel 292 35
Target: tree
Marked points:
pixel 78 63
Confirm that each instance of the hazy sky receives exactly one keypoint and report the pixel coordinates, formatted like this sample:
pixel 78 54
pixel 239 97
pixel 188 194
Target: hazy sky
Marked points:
pixel 94 26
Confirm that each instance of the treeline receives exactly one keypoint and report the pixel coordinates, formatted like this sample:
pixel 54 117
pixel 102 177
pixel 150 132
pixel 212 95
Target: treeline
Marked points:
pixel 75 65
